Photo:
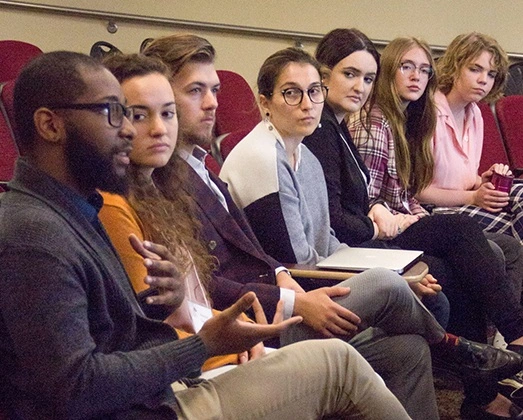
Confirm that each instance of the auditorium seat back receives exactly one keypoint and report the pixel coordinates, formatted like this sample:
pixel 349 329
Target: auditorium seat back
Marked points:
pixel 103 49
pixel 230 141
pixel 7 139
pixel 14 55
pixel 212 164
pixel 514 84
pixel 493 145
pixel 237 108
pixel 509 111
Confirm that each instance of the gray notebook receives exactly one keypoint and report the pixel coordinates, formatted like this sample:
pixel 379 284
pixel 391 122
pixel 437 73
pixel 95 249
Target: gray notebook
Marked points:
pixel 361 259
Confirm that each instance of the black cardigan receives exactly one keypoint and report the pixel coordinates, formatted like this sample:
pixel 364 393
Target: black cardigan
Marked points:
pixel 347 189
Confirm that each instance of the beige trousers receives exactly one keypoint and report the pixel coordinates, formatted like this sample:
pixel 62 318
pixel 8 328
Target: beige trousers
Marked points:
pixel 312 379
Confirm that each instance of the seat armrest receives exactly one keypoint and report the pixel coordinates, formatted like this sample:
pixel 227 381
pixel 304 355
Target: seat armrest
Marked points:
pixel 412 275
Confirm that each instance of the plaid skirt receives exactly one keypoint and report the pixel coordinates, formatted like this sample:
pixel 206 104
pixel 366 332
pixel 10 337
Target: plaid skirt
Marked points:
pixel 509 222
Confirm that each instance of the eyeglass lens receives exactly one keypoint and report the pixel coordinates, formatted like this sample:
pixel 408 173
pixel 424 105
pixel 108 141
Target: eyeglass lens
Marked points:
pixel 294 96
pixel 409 68
pixel 117 112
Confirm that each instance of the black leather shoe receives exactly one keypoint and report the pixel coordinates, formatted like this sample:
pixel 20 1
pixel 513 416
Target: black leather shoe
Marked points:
pixel 470 411
pixel 479 361
pixel 512 388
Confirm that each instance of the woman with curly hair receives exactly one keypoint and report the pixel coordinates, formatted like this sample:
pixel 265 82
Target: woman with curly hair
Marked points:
pixel 156 208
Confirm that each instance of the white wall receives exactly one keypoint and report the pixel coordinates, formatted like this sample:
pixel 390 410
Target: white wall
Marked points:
pixel 437 21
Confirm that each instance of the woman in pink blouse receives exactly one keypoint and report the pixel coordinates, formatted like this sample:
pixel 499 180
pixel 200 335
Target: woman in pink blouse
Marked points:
pixel 473 68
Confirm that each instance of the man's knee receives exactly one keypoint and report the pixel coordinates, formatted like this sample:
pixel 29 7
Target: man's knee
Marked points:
pixel 333 347
pixel 324 355
pixel 389 283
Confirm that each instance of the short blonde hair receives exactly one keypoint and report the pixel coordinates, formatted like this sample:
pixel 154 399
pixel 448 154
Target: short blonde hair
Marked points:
pixel 464 49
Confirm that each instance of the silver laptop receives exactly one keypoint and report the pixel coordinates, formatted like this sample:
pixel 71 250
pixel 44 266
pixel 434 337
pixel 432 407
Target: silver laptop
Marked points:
pixel 361 259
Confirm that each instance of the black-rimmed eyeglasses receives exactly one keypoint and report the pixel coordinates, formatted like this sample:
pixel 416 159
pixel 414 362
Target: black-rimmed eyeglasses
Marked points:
pixel 115 111
pixel 293 96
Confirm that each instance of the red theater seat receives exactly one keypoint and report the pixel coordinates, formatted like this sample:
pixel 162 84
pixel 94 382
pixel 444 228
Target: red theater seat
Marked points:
pixel 7 140
pixel 231 140
pixel 493 145
pixel 237 109
pixel 212 164
pixel 509 111
pixel 13 56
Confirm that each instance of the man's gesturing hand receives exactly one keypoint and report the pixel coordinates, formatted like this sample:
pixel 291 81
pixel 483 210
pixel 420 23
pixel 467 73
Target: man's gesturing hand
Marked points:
pixel 162 274
pixel 225 333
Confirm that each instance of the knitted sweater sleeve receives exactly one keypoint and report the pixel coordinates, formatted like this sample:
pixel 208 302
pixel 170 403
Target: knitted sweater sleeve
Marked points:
pixel 47 313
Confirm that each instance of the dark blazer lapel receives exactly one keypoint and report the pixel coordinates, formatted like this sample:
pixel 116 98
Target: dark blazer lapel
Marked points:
pixel 228 225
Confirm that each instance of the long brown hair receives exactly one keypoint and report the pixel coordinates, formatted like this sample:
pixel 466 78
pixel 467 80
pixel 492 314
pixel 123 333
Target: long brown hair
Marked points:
pixel 167 214
pixel 414 127
pixel 165 210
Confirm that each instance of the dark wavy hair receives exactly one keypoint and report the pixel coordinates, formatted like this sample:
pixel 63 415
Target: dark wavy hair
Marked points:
pixel 342 42
pixel 126 66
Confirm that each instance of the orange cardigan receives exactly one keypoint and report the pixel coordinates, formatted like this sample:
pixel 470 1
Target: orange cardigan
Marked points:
pixel 120 220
